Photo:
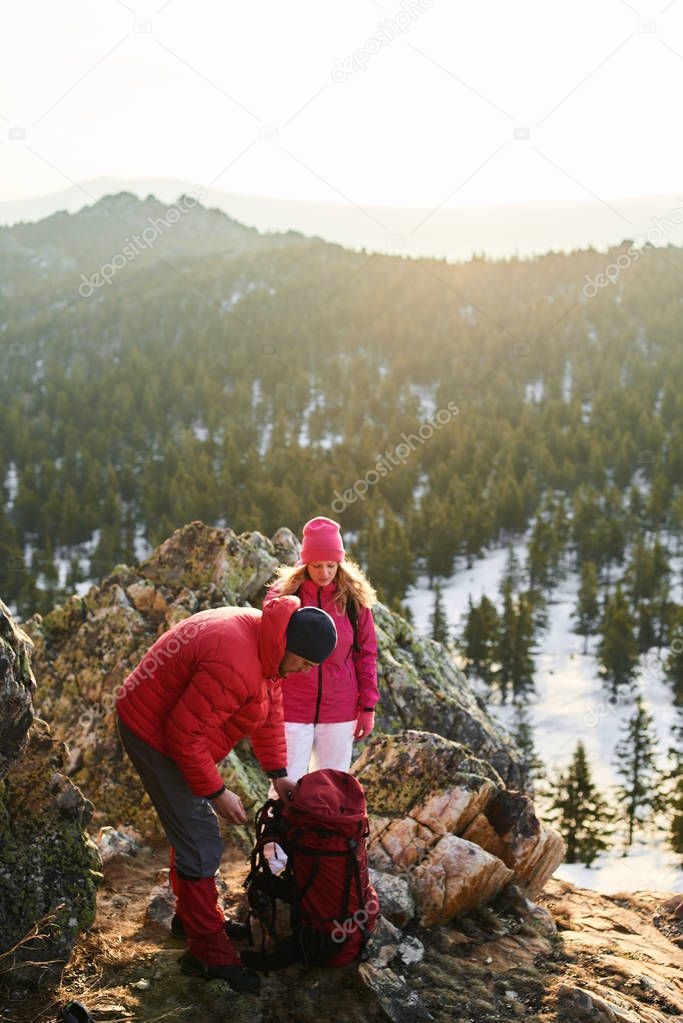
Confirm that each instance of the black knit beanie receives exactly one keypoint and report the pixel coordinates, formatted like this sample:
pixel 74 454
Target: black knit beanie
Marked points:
pixel 311 633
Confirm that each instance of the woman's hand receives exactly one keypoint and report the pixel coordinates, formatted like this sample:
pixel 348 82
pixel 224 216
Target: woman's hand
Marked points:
pixel 229 806
pixel 364 724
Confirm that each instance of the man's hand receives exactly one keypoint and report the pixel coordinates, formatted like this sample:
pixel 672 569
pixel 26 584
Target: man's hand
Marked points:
pixel 364 724
pixel 285 788
pixel 229 806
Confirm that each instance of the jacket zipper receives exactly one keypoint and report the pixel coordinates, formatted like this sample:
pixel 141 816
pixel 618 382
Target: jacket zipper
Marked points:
pixel 320 678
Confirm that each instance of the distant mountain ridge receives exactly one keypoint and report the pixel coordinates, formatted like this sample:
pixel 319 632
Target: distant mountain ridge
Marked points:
pixel 450 232
pixel 127 227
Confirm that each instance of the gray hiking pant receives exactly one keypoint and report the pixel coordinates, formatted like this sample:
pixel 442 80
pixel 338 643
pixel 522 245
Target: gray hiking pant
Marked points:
pixel 189 822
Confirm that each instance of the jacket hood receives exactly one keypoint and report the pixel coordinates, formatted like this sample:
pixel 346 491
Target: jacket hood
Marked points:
pixel 272 640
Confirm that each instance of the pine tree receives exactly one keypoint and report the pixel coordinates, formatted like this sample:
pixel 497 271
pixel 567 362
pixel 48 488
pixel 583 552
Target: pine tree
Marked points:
pixel 523 734
pixel 105 555
pixel 515 663
pixel 441 541
pixel 587 612
pixel 523 662
pixel 388 558
pixel 635 762
pixel 74 574
pixel 505 652
pixel 12 567
pixel 513 573
pixel 539 562
pixel 585 520
pixel 579 811
pixel 481 636
pixel 618 649
pixel 511 506
pixel 548 539
pixel 676 798
pixel 662 606
pixel 68 530
pixel 673 665
pixel 646 633
pixel 439 621
pixel 676 827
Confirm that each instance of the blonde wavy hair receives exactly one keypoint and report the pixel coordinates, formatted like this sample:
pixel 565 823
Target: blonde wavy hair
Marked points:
pixel 352 583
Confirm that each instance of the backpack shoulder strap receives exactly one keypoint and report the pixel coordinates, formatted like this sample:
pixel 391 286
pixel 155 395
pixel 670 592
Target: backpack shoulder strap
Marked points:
pixel 352 612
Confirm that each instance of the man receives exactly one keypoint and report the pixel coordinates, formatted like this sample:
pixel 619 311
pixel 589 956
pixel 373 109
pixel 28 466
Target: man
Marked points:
pixel 203 685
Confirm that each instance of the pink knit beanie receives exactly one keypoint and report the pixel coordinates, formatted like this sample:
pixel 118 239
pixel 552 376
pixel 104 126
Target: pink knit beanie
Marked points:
pixel 322 541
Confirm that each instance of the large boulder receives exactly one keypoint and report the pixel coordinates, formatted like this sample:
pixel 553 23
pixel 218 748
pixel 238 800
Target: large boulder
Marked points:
pixel 444 820
pixel 49 868
pixel 510 830
pixel 87 646
pixel 17 686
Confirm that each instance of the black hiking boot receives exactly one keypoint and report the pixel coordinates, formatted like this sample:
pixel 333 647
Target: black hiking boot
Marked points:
pixel 235 930
pixel 238 977
pixel 286 952
pixel 75 1012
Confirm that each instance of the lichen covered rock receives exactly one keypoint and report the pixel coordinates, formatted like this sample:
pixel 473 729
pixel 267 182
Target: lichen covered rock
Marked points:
pixel 115 845
pixel 395 897
pixel 198 556
pixel 422 689
pixel 17 686
pixel 49 868
pixel 443 820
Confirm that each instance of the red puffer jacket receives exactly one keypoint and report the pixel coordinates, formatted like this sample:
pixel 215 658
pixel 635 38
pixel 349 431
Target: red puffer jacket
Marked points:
pixel 207 682
pixel 344 683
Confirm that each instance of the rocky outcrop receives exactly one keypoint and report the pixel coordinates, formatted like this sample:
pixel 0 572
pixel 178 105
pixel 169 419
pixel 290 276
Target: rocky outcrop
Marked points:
pixel 510 830
pixel 634 945
pixel 86 647
pixel 422 689
pixel 17 686
pixel 444 821
pixel 49 869
pixel 575 956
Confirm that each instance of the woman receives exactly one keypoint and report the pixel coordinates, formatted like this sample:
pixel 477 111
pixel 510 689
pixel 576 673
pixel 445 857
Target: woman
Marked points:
pixel 329 706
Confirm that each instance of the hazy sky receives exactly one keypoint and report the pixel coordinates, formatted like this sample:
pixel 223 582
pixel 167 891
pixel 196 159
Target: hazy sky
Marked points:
pixel 367 101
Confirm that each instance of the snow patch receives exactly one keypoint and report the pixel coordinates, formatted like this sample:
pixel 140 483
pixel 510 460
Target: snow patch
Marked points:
pixel 570 704
pixel 534 391
pixel 11 485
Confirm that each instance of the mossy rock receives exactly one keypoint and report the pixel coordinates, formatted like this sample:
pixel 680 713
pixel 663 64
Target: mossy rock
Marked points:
pixel 198 556
pixel 17 685
pixel 400 771
pixel 49 869
pixel 421 688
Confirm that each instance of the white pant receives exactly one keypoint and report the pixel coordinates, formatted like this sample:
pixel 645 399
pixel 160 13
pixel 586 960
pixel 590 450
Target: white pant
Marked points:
pixel 312 747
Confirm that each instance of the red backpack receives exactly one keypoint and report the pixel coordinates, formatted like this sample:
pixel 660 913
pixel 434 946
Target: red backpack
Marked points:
pixel 333 907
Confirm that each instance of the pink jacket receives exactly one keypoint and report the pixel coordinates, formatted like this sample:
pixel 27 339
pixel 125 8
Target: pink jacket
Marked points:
pixel 344 683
